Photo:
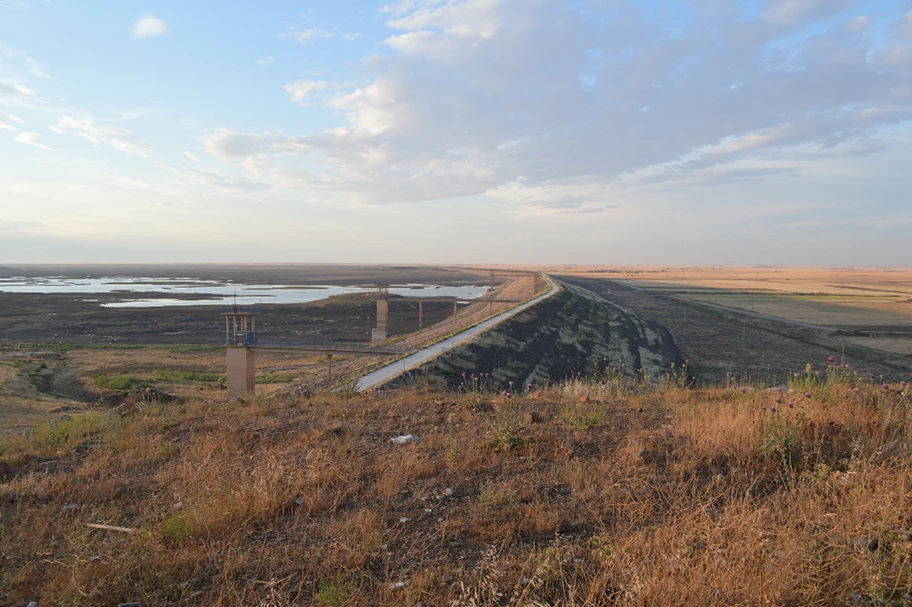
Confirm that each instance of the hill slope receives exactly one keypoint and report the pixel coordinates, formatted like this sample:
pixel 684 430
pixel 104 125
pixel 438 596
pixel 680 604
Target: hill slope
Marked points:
pixel 575 332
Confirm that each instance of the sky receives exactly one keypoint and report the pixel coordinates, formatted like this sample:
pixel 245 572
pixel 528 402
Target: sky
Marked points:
pixel 753 132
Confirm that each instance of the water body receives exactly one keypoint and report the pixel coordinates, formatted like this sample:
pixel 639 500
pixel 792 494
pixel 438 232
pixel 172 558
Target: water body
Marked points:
pixel 195 292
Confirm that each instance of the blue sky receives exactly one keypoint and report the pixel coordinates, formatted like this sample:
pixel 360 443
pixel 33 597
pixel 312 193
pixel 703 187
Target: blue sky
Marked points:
pixel 533 131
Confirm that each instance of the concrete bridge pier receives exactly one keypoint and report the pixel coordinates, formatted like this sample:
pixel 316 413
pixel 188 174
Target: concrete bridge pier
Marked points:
pixel 380 333
pixel 241 372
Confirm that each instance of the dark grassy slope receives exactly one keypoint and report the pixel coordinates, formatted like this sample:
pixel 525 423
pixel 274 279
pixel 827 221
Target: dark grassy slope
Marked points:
pixel 576 331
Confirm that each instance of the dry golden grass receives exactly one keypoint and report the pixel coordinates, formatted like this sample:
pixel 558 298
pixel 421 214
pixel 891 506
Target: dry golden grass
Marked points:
pixel 894 345
pixel 826 310
pixel 837 281
pixel 591 493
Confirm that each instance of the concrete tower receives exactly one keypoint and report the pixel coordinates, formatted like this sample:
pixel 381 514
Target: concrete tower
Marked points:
pixel 240 333
pixel 380 333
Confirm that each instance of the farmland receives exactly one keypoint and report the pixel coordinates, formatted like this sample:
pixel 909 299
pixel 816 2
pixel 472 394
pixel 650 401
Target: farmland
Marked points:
pixel 769 322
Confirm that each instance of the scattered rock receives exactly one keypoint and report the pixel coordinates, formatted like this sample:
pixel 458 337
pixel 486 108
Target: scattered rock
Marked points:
pixel 404 519
pixel 404 439
pixel 6 473
pixel 398 585
pixel 531 417
pixel 777 389
pixel 449 492
pixel 525 581
pixel 178 506
pixel 584 399
pixel 69 507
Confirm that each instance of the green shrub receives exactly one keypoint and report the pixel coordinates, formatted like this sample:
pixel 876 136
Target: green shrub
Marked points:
pixel 120 383
pixel 333 595
pixel 177 527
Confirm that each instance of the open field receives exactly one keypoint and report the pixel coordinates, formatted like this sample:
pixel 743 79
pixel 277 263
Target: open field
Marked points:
pixel 720 343
pixel 594 492
pixel 896 345
pixel 792 280
pixel 867 310
pixel 852 311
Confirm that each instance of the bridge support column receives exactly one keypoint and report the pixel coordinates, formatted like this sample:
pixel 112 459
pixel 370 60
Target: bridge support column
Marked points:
pixel 420 314
pixel 380 333
pixel 241 372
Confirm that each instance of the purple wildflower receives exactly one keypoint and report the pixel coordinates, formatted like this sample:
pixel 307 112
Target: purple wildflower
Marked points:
pixel 807 394
pixel 528 386
pixel 743 390
pixel 773 409
pixel 779 399
pixel 902 384
pixel 791 405
pixel 886 386
pixel 508 394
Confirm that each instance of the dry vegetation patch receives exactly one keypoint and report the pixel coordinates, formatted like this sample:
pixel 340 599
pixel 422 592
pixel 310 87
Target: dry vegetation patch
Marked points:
pixel 588 493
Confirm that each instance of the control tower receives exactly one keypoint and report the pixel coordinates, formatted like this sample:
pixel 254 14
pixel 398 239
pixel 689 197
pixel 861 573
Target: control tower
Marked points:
pixel 382 329
pixel 240 335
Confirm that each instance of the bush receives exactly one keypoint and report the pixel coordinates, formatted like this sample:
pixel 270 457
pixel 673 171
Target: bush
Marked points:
pixel 120 383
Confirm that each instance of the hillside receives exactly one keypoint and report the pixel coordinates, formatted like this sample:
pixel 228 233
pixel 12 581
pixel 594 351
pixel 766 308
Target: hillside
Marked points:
pixel 575 332
pixel 610 492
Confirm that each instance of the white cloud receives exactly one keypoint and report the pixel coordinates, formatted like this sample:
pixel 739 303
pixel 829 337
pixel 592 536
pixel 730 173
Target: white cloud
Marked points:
pixel 308 35
pixel 36 69
pixel 7 127
pixel 301 90
pixel 793 12
pixel 265 61
pixel 17 226
pixel 191 156
pixel 227 145
pixel 895 55
pixel 15 118
pixel 148 26
pixel 11 89
pixel 115 136
pixel 32 140
pixel 352 36
pixel 485 97
pixel 902 27
pixel 859 24
pixel 23 4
